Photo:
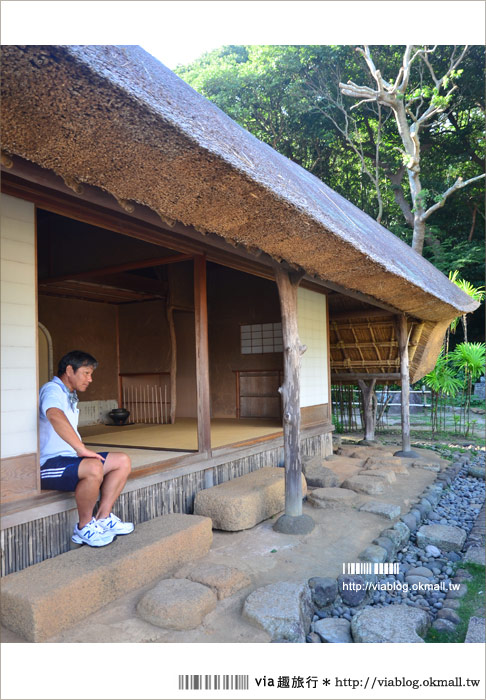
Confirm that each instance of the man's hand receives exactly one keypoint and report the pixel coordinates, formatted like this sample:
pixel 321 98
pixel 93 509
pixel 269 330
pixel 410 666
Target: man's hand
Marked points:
pixel 84 452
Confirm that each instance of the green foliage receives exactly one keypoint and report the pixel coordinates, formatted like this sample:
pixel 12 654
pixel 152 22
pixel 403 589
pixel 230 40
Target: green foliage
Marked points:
pixel 469 359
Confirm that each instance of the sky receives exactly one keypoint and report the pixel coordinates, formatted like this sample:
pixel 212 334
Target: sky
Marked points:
pixel 179 31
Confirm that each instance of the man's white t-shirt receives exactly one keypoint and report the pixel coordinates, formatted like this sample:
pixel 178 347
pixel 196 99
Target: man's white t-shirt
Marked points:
pixel 55 394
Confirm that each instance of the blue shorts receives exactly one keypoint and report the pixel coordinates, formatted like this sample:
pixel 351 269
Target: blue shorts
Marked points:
pixel 61 473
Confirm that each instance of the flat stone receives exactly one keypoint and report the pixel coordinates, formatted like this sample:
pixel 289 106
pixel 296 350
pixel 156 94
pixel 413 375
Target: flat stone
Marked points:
pixel 476 631
pixel 222 580
pixel 352 589
pixel 457 593
pixel 364 452
pixel 323 590
pixel 176 604
pixel 376 462
pixel 387 476
pixel 374 554
pixel 404 532
pixel 241 503
pixel 475 555
pixel 420 571
pixel 392 624
pixel 47 598
pixel 283 609
pixel 428 466
pixel 334 630
pixel 386 510
pixel 318 476
pixel 331 497
pixel 446 537
pixel 448 614
pixel 444 625
pixel 364 484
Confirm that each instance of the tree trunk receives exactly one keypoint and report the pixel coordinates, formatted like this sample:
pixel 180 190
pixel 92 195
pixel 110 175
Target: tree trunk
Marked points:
pixel 402 331
pixel 369 408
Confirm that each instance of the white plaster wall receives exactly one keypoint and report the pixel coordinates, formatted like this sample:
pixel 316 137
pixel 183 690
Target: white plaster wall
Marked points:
pixel 18 328
pixel 312 322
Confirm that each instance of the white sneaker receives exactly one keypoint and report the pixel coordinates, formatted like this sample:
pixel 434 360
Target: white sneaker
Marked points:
pixel 92 534
pixel 112 524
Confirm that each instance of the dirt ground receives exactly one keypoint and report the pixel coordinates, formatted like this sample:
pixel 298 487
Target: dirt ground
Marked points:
pixel 267 557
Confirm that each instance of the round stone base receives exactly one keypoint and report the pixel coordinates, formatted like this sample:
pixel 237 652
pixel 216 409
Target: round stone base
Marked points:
pixel 406 453
pixel 294 524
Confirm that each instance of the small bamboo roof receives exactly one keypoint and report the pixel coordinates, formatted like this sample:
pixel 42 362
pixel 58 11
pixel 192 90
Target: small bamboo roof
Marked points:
pixel 114 117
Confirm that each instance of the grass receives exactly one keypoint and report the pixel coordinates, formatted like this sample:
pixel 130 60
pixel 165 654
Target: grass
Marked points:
pixel 471 605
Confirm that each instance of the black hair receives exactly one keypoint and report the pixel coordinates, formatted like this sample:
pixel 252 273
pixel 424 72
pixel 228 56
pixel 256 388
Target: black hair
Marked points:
pixel 77 359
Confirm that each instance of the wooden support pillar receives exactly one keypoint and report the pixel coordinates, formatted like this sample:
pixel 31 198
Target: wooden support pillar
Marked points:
pixel 117 332
pixel 403 336
pixel 202 356
pixel 369 409
pixel 293 521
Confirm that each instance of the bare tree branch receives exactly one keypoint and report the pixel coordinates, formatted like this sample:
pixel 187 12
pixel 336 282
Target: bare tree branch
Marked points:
pixel 459 184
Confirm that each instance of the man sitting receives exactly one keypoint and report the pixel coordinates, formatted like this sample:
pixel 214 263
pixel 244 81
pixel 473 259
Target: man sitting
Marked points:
pixel 67 465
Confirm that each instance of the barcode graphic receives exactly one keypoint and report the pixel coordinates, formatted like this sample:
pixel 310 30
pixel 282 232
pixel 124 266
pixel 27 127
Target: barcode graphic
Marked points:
pixel 215 682
pixel 369 568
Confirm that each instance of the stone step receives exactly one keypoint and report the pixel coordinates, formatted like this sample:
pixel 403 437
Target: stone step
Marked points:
pixel 243 502
pixel 51 596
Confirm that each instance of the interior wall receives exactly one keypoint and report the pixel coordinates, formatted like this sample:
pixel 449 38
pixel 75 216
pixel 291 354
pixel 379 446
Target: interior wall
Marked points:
pixel 186 406
pixel 144 337
pixel 236 299
pixel 84 325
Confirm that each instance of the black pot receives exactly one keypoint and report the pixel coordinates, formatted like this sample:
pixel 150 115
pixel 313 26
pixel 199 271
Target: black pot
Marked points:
pixel 119 416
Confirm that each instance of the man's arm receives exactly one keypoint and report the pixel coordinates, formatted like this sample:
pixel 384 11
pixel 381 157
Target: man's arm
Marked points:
pixel 65 430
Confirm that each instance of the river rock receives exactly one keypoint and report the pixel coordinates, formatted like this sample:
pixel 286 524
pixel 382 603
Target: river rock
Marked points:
pixel 374 554
pixel 323 590
pixel 283 609
pixel 392 624
pixel 352 589
pixel 334 630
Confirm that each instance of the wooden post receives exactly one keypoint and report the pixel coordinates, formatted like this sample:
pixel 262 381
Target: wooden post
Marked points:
pixel 202 356
pixel 369 409
pixel 402 331
pixel 173 364
pixel 117 333
pixel 293 522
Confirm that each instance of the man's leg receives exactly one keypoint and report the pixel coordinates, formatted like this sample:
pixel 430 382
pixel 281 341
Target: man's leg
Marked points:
pixel 116 468
pixel 90 474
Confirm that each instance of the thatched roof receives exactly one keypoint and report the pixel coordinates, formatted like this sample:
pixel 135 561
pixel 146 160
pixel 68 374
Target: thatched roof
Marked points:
pixel 116 118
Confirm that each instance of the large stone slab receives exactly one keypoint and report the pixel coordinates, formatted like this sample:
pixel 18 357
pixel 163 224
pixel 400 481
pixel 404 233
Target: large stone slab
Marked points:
pixel 390 625
pixel 318 476
pixel 448 538
pixel 224 581
pixel 476 631
pixel 392 464
pixel 334 631
pixel 331 497
pixel 428 466
pixel 386 475
pixel 284 610
pixel 176 604
pixel 51 596
pixel 386 510
pixel 364 484
pixel 243 502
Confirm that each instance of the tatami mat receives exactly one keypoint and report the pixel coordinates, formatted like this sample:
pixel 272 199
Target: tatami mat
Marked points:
pixel 180 436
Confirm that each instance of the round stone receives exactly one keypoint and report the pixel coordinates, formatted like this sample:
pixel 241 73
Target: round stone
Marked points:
pixel 177 604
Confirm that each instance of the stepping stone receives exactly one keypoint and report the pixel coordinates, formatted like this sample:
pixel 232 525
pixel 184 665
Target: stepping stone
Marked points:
pixel 393 624
pixel 222 580
pixel 243 502
pixel 331 497
pixel 475 555
pixel 318 476
pixel 394 464
pixel 364 452
pixel 364 484
pixel 428 466
pixel 388 476
pixel 284 610
pixel 47 598
pixel 448 538
pixel 476 631
pixel 334 631
pixel 176 604
pixel 386 510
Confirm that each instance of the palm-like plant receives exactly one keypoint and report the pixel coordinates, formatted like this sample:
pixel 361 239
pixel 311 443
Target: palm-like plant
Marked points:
pixel 469 358
pixel 476 293
pixel 443 383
